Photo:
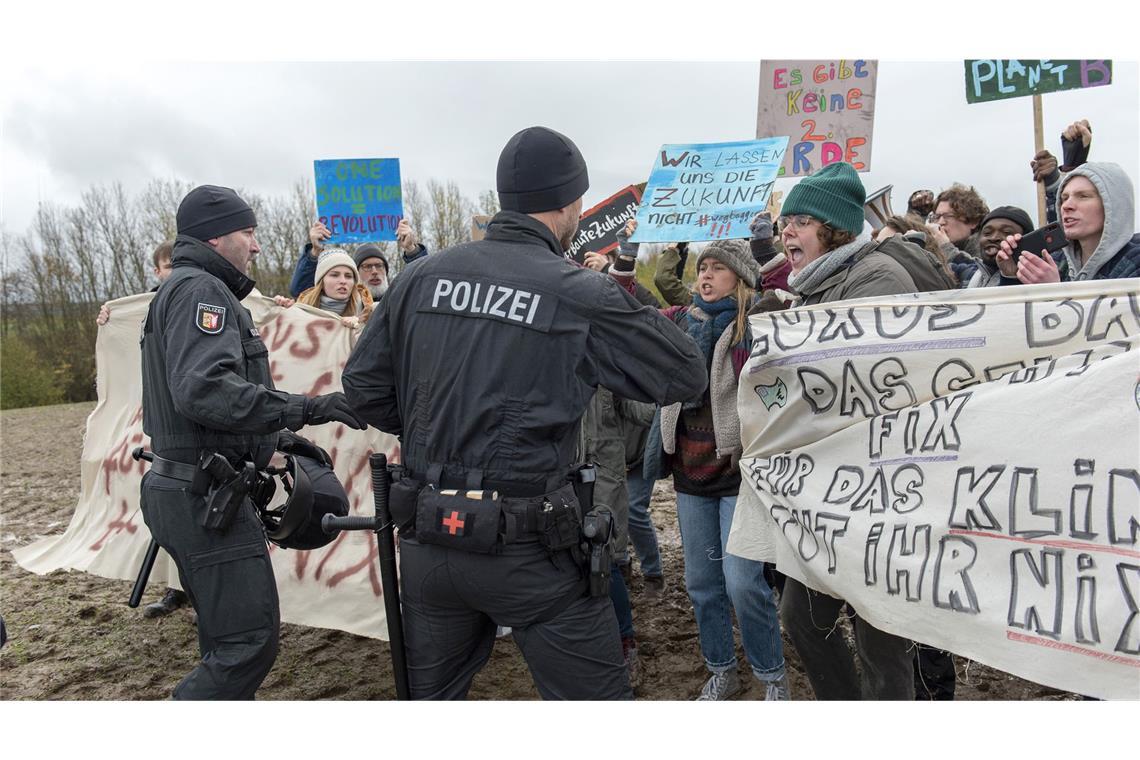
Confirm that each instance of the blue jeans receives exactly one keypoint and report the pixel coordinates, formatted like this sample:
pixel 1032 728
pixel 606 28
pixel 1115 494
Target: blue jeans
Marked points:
pixel 641 530
pixel 718 583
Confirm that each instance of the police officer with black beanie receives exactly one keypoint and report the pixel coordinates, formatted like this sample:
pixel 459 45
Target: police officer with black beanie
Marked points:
pixel 482 358
pixel 207 389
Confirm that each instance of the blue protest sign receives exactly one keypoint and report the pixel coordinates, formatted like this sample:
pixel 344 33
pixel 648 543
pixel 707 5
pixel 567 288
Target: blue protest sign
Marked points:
pixel 708 191
pixel 359 199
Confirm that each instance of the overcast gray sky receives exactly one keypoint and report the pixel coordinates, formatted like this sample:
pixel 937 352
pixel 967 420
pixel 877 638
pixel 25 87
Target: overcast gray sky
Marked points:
pixel 68 124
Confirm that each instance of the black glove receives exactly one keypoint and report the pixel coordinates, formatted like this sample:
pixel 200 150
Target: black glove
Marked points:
pixel 683 250
pixel 290 443
pixel 625 264
pixel 332 407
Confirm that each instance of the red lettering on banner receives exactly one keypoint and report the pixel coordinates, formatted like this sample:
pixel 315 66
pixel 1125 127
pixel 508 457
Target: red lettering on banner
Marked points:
pixel 120 460
pixel 313 331
pixel 320 384
pixel 115 527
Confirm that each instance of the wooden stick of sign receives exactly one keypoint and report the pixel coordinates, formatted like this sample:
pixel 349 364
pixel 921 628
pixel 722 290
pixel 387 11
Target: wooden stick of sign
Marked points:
pixel 1038 146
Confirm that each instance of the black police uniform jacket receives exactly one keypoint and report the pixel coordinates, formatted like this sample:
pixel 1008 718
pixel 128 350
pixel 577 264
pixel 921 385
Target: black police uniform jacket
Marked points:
pixel 206 377
pixel 483 358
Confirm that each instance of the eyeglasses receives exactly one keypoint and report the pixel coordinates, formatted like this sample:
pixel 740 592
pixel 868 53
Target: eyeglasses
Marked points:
pixel 938 218
pixel 373 268
pixel 797 220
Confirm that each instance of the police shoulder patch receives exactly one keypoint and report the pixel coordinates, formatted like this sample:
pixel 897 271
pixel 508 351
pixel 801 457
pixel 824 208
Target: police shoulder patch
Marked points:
pixel 210 319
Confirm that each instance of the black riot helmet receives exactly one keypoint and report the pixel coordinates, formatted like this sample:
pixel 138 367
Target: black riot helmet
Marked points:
pixel 312 491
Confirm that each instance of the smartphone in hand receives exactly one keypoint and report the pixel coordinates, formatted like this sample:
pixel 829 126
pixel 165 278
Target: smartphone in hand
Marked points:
pixel 1048 238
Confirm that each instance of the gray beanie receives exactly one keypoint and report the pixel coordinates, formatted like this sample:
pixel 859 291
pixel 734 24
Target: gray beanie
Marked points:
pixel 369 251
pixel 736 255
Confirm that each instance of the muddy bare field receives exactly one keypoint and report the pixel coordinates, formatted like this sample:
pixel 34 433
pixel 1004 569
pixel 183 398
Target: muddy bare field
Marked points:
pixel 72 636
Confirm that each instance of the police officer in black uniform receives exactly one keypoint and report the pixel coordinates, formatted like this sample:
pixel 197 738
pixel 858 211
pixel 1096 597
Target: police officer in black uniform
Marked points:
pixel 482 358
pixel 207 390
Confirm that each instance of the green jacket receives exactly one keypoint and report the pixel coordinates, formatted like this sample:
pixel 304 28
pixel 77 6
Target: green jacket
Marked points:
pixel 665 278
pixel 869 273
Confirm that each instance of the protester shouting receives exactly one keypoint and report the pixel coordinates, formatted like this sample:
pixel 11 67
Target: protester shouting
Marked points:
pixel 834 259
pixel 1098 216
pixel 701 437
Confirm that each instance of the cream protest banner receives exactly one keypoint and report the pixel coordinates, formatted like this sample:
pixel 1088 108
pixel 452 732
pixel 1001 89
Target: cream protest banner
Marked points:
pixel 961 467
pixel 337 586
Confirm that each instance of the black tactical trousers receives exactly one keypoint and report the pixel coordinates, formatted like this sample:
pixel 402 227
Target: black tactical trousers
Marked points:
pixel 885 660
pixel 229 579
pixel 453 600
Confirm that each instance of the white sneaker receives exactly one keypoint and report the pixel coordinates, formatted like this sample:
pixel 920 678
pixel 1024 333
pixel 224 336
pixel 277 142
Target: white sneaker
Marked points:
pixel 720 686
pixel 777 691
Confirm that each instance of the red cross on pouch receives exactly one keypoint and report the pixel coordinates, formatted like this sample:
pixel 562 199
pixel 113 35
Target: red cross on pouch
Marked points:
pixel 453 523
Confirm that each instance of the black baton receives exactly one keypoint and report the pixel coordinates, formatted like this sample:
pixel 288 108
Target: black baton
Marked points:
pixel 381 524
pixel 144 574
pixel 151 551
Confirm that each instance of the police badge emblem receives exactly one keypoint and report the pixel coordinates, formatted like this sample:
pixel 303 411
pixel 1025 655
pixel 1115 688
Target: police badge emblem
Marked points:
pixel 210 319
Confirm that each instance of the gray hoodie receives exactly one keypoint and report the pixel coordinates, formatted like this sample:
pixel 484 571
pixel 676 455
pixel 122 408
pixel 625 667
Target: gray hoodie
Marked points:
pixel 1115 189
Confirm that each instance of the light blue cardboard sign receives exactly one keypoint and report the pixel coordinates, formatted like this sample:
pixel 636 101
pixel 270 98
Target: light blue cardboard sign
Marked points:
pixel 359 199
pixel 708 191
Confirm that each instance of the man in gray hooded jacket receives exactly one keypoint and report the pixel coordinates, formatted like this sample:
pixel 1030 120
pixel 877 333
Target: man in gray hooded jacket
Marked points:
pixel 1097 212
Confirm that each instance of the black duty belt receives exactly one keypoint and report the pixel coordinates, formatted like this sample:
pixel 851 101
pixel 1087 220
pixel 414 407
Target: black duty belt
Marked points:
pixel 525 518
pixel 168 468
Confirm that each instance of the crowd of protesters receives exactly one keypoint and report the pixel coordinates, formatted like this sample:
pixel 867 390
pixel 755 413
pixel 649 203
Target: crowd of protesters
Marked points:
pixel 819 247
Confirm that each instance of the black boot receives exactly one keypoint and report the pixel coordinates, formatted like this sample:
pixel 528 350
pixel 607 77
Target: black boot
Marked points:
pixel 170 601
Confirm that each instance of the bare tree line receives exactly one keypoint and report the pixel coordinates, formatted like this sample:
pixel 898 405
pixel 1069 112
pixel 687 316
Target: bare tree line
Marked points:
pixel 74 258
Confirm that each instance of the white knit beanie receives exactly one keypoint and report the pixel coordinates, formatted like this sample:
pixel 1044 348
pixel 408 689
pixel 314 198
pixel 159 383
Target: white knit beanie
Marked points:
pixel 334 257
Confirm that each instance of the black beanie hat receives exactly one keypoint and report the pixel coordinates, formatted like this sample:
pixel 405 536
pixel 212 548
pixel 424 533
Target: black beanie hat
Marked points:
pixel 540 170
pixel 209 211
pixel 369 251
pixel 1013 214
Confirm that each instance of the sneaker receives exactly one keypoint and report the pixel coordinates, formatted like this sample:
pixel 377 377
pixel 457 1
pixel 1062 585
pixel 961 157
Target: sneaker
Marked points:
pixel 632 663
pixel 720 686
pixel 654 586
pixel 777 691
pixel 170 601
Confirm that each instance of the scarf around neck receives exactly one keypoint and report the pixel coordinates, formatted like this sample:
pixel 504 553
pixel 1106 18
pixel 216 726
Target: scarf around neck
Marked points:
pixel 705 322
pixel 811 276
pixel 336 306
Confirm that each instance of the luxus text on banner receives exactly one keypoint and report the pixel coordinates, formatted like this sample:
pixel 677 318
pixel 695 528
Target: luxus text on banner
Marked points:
pixel 961 467
pixel 707 191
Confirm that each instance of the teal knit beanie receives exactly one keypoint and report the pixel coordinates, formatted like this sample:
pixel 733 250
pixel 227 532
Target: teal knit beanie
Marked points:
pixel 834 195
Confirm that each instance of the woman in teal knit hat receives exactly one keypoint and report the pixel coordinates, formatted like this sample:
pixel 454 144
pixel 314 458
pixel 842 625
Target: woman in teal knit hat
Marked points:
pixel 831 254
pixel 833 258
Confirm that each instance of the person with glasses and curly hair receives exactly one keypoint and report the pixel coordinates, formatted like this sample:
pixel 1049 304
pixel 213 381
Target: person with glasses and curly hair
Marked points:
pixel 958 214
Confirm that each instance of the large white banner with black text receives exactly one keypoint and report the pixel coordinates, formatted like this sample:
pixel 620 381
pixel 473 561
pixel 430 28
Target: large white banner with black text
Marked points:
pixel 962 468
